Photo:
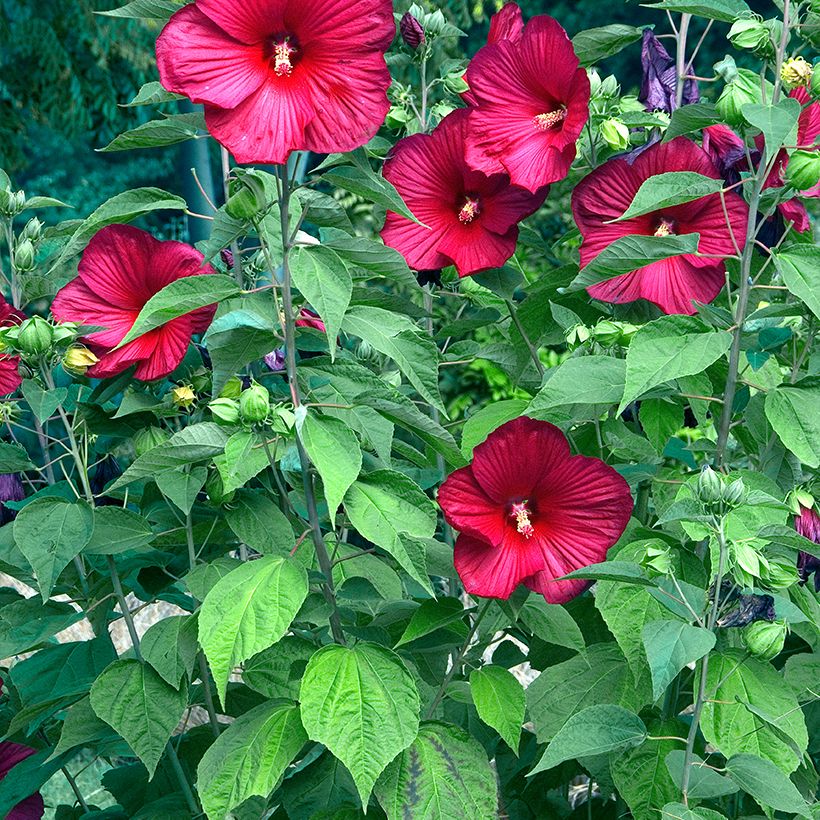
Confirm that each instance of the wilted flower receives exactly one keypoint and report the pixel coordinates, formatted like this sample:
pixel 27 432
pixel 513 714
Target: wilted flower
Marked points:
pixel 227 257
pixel 530 512
pixel 78 358
pixel 797 71
pixel 275 360
pixel 660 77
pixel 807 524
pixel 11 489
pixel 32 807
pixel 183 396
pixel 107 470
pixel 411 30
pixel 749 608
pixel 309 318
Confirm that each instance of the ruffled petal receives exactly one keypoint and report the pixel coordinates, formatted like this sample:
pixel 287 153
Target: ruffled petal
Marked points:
pixel 473 248
pixel 197 58
pixel 508 205
pixel 416 243
pixel 76 302
pixel 468 509
pixel 10 378
pixel 493 571
pixel 168 351
pixel 508 24
pixel 342 26
pixel 249 21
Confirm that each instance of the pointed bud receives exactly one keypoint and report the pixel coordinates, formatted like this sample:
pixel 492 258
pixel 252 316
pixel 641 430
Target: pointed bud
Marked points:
pixel 35 336
pixel 77 360
pixel 615 134
pixel 734 494
pixel 765 640
pixel 412 31
pixel 797 72
pixel 11 203
pixel 215 488
pixel 33 230
pixel 709 486
pixel 24 256
pixel 748 33
pixel 743 90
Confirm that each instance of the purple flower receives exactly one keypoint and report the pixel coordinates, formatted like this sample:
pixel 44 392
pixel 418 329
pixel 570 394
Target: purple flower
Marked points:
pixel 660 78
pixel 227 258
pixel 411 31
pixel 11 489
pixel 807 524
pixel 276 360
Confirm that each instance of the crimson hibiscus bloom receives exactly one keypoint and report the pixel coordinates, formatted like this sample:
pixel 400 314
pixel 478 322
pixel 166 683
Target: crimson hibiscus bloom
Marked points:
pixel 120 270
pixel 282 75
pixel 470 218
pixel 32 808
pixel 672 284
pixel 10 378
pixel 807 524
pixel 309 318
pixel 528 511
pixel 531 101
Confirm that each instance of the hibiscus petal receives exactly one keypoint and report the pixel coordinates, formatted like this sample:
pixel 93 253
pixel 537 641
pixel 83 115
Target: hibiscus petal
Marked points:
pixel 417 243
pixel 556 592
pixel 10 378
pixel 197 58
pixel 167 352
pixel 508 24
pixel 342 26
pixel 249 21
pixel 794 210
pixel 468 509
pixel 76 302
pixel 473 249
pixel 509 206
pixel 492 572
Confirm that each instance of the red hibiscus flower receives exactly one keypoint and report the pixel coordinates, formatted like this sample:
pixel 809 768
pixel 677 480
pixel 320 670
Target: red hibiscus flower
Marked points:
pixel 309 318
pixel 471 218
pixel 807 524
pixel 672 284
pixel 531 100
pixel 10 378
pixel 32 808
pixel 282 75
pixel 508 24
pixel 528 511
pixel 121 269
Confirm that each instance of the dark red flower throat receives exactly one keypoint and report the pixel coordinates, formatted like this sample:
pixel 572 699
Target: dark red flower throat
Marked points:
pixel 283 53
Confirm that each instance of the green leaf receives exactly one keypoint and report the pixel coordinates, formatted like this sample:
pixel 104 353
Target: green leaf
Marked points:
pixel 369 186
pixel 118 530
pixel 777 122
pixel 690 118
pixel 244 458
pixel 323 210
pixel 630 253
pixel 668 190
pixel 489 418
pixel 677 811
pixel 551 623
pixel 499 699
pixel 178 299
pixel 704 782
pixel 169 130
pixel 181 487
pixel 733 729
pixel 668 348
pixel 247 611
pixel 792 412
pixel 444 775
pixel 170 646
pixel 503 282
pixel 396 336
pixel 596 44
pixel 660 421
pixel 258 522
pixel 799 265
pixel 385 505
pixel 140 706
pixel 145 10
pixel 767 784
pixel 372 569
pixel 198 442
pixel 249 757
pixel 204 577
pixel 726 10
pixel 625 572
pixel 334 450
pixel 276 672
pixel 13 459
pixel 583 380
pixel 152 93
pixel 595 730
pixel 324 280
pixel 597 675
pixel 670 646
pixel 362 704
pixel 43 403
pixel 50 532
pixel 121 208
pixel 373 257
pixel 26 623
pixel 82 727
pixel 430 616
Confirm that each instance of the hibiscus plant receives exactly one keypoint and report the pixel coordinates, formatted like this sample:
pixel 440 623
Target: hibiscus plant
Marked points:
pixel 465 471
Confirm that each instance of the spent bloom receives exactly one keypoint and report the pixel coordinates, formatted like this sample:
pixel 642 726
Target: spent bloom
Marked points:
pixel 529 102
pixel 411 30
pixel 672 284
pixel 282 75
pixel 530 512
pixel 660 77
pixel 807 524
pixel 470 219
pixel 120 270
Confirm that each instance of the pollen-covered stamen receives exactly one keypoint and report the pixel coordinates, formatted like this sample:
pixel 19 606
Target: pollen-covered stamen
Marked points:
pixel 283 54
pixel 666 227
pixel 544 122
pixel 521 513
pixel 470 210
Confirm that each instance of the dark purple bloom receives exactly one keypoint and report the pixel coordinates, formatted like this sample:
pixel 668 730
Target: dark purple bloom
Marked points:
pixel 411 31
pixel 105 472
pixel 31 808
pixel 429 277
pixel 660 78
pixel 11 489
pixel 750 608
pixel 275 360
pixel 227 257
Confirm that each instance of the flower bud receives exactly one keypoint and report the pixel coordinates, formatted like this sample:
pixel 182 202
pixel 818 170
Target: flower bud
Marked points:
pixel 749 33
pixel 726 69
pixel 215 488
pixel 610 87
pixel 607 332
pixel 64 332
pixel 709 486
pixel 411 30
pixel 183 396
pixel 397 117
pixel 243 204
pixel 11 203
pixel 804 498
pixel 780 576
pixel 615 134
pixel 145 440
pixel 803 170
pixel 24 256
pixel 815 77
pixel 227 257
pixel 658 558
pixel 35 336
pixel 77 359
pixel 33 229
pixel 577 335
pixel 734 494
pixel 743 90
pixel 455 83
pixel 797 71
pixel 232 388
pixel 225 410
pixel 594 82
pixel 254 403
pixel 765 640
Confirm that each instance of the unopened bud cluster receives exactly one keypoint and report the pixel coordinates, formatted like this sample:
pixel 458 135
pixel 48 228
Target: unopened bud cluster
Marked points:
pixel 718 495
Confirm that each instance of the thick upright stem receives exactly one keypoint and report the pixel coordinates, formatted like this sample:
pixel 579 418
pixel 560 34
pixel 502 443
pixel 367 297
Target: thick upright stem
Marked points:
pixel 683 32
pixel 226 174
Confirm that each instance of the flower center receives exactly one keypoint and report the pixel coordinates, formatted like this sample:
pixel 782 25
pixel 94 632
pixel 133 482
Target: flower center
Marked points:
pixel 283 53
pixel 521 513
pixel 470 210
pixel 666 227
pixel 544 122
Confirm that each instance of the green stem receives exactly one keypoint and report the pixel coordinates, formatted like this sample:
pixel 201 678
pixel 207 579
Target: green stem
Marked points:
pixel 683 32
pixel 530 346
pixel 75 788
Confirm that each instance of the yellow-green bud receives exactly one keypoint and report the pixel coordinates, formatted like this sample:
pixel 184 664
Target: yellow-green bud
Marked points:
pixel 183 396
pixel 254 403
pixel 749 33
pixel 35 336
pixel 803 170
pixel 32 230
pixel 232 388
pixel 615 134
pixel 77 359
pixel 24 256
pixel 145 440
pixel 225 410
pixel 743 90
pixel 765 640
pixel 243 204
pixel 455 83
pixel 797 72
pixel 710 486
pixel 734 494
pixel 397 117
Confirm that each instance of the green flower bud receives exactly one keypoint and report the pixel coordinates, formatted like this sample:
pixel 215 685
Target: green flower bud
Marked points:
pixel 24 256
pixel 33 230
pixel 11 203
pixel 35 336
pixel 215 488
pixel 232 388
pixel 397 118
pixel 765 640
pixel 145 440
pixel 615 134
pixel 804 498
pixel 225 410
pixel 254 403
pixel 607 332
pixel 815 77
pixel 797 72
pixel 749 33
pixel 803 170
pixel 734 494
pixel 709 486
pixel 610 87
pixel 726 69
pixel 243 204
pixel 578 334
pixel 594 82
pixel 780 576
pixel 455 83
pixel 744 90
pixel 658 558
